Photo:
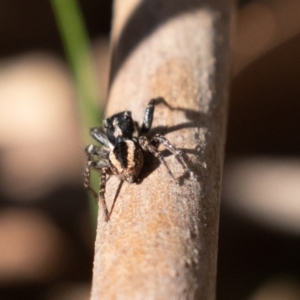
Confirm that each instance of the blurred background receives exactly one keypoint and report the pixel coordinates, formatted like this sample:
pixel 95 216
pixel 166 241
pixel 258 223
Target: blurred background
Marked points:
pixel 46 230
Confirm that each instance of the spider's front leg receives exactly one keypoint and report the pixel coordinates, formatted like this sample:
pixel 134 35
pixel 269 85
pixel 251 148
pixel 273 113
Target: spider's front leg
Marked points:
pixel 102 166
pixel 99 136
pixel 149 112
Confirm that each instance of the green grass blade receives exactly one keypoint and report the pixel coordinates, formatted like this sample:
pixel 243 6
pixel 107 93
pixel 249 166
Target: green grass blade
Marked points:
pixel 77 47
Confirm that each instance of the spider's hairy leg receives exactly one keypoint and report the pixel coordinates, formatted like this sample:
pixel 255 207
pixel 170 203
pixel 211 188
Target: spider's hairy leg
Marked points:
pixel 87 179
pixel 158 138
pixel 147 146
pixel 103 173
pixel 101 164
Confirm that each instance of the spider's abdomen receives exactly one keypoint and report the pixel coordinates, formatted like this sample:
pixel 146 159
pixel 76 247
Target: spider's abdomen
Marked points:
pixel 127 160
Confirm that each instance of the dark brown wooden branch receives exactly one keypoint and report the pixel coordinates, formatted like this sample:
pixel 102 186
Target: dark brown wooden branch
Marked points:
pixel 161 240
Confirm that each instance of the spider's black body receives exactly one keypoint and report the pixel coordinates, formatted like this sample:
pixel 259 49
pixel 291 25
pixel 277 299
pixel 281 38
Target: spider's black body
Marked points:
pixel 122 151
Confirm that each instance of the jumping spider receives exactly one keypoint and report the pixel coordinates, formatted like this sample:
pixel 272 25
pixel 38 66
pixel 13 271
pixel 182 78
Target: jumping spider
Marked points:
pixel 122 151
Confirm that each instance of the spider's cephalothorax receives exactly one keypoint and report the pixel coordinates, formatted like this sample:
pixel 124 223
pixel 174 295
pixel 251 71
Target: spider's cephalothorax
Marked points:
pixel 121 154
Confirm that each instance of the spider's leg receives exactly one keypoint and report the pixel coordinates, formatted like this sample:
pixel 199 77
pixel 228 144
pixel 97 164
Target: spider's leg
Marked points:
pixel 98 152
pixel 102 185
pixel 102 166
pixel 99 136
pixel 148 117
pixel 158 138
pixel 147 146
pixel 149 112
pixel 87 184
pixel 87 179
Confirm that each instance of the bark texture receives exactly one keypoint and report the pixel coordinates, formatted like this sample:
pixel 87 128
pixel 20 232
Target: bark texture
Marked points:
pixel 161 240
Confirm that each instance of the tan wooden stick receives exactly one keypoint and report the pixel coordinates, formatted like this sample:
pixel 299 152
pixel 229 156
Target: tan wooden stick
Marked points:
pixel 161 239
